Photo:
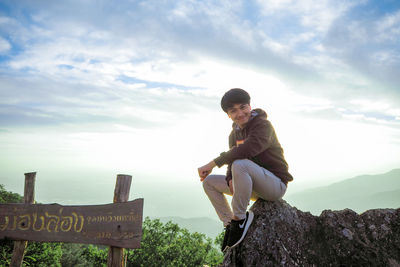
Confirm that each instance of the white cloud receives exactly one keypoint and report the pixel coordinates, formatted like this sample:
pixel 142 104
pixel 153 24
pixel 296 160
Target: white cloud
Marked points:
pixel 276 47
pixel 318 15
pixel 376 110
pixel 388 28
pixel 5 46
pixel 386 58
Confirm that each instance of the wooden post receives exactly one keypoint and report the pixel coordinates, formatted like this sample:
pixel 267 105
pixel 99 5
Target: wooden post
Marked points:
pixel 121 194
pixel 29 198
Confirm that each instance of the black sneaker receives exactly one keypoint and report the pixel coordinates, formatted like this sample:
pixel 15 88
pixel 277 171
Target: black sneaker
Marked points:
pixel 239 229
pixel 226 236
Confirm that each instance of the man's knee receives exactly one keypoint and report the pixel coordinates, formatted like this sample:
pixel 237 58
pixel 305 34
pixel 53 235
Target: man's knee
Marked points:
pixel 208 181
pixel 239 165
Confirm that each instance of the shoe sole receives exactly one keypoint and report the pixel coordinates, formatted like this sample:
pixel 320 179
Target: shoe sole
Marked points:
pixel 223 249
pixel 246 227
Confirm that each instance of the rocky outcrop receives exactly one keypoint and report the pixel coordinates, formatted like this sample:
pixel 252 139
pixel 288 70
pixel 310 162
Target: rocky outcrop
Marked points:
pixel 281 235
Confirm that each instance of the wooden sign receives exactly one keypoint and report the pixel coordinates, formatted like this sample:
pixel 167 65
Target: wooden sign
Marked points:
pixel 117 224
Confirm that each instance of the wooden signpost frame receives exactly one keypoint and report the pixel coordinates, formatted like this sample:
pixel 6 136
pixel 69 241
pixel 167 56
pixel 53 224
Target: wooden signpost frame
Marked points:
pixel 128 228
pixel 29 198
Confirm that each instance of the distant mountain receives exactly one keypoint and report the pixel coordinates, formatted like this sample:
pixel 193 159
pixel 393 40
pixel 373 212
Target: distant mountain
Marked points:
pixel 359 194
pixel 204 225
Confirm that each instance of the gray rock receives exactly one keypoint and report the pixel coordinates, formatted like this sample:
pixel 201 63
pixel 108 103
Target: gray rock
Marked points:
pixel 281 235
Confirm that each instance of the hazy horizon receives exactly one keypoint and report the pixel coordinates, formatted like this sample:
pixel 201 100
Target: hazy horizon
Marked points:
pixel 190 202
pixel 92 89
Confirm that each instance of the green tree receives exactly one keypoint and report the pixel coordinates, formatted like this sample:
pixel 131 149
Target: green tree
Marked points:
pixel 162 245
pixel 9 197
pixel 169 245
pixel 43 254
pixel 72 255
pixel 95 256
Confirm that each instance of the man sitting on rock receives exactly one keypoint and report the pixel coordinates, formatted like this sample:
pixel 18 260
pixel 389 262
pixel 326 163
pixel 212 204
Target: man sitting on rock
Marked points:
pixel 256 167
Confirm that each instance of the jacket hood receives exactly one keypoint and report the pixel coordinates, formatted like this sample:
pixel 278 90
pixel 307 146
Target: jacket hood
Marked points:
pixel 259 112
pixel 255 113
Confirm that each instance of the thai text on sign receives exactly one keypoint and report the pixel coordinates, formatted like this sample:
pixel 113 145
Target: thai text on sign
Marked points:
pixel 117 224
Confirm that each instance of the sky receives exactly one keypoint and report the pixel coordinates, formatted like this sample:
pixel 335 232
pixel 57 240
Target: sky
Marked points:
pixel 91 89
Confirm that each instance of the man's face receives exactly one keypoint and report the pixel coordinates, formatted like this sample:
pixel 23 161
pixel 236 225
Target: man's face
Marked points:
pixel 240 114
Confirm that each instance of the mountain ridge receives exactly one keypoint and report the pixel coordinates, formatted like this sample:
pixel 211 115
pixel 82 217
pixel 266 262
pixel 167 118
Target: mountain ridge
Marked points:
pixel 359 193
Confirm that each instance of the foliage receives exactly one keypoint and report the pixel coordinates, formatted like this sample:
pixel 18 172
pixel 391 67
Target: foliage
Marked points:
pixel 72 255
pixel 6 247
pixel 169 245
pixel 95 256
pixel 38 254
pixel 162 245
pixel 219 239
pixel 43 254
pixel 9 197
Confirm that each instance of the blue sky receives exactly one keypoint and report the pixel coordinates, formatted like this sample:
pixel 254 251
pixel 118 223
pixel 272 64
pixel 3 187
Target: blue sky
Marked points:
pixel 89 89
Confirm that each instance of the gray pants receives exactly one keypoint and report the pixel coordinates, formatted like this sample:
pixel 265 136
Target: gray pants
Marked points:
pixel 250 181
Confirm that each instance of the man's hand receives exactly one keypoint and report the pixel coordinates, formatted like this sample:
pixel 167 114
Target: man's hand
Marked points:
pixel 231 186
pixel 205 170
